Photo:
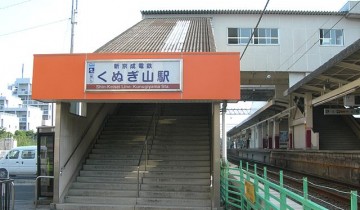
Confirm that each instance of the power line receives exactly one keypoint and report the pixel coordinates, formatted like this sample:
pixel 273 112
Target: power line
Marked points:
pixel 13 5
pixel 34 27
pixel 257 24
pixel 319 38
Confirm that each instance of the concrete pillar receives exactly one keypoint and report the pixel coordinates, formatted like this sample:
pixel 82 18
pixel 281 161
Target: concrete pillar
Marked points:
pixel 269 135
pixel 254 142
pixel 276 133
pixel 291 140
pixel 224 139
pixel 279 91
pixel 308 119
pixel 216 155
pixel 60 108
pixel 263 135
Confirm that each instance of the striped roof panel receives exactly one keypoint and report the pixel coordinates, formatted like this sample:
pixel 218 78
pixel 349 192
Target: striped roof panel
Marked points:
pixel 164 35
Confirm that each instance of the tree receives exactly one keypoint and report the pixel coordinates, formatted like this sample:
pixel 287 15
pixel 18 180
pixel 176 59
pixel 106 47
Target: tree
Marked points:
pixel 25 138
pixel 4 133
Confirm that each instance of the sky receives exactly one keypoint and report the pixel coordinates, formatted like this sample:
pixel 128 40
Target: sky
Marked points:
pixel 29 27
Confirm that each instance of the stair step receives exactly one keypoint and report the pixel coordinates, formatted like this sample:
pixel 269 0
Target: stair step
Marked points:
pixel 181 195
pixel 119 174
pixel 91 206
pixel 179 142
pixel 181 147
pixel 121 146
pixel 150 207
pixel 111 167
pixel 184 133
pixel 188 175
pixel 112 162
pixel 174 202
pixel 179 157
pixel 114 156
pixel 101 200
pixel 103 193
pixel 92 179
pixel 104 186
pixel 122 136
pixel 179 152
pixel 189 138
pixel 179 162
pixel 121 141
pixel 116 151
pixel 174 188
pixel 183 181
pixel 179 168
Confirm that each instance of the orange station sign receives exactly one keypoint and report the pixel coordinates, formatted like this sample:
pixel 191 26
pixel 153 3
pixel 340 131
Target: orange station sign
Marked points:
pixel 213 76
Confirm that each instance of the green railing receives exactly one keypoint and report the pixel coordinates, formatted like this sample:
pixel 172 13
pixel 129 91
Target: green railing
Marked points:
pixel 245 190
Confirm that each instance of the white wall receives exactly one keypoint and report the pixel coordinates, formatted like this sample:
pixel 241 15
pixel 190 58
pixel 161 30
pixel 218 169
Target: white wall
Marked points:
pixel 34 118
pixel 71 134
pixel 299 136
pixel 297 35
pixel 9 121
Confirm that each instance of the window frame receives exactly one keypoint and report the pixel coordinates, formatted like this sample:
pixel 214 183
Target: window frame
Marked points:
pixel 266 39
pixel 329 38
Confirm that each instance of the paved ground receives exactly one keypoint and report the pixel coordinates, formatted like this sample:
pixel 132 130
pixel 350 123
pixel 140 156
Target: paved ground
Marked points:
pixel 25 195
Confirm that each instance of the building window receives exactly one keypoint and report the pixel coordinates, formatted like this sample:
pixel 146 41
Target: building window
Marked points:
pixel 262 36
pixel 331 37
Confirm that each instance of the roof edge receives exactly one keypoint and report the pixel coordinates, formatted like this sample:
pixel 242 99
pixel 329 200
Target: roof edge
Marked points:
pixel 212 12
pixel 333 61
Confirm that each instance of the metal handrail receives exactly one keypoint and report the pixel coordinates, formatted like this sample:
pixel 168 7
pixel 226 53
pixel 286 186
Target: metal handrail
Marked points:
pixel 158 110
pixel 5 193
pixel 83 135
pixel 36 185
pixel 145 145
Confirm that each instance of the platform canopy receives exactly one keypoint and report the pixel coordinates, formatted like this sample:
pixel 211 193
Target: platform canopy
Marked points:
pixel 271 108
pixel 334 79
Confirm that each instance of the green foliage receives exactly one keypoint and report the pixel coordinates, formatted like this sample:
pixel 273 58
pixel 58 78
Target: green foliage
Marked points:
pixel 25 138
pixel 5 134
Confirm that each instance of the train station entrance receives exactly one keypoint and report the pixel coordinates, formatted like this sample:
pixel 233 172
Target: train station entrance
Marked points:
pixel 139 129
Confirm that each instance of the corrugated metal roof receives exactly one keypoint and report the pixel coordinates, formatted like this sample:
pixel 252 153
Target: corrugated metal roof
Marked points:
pixel 239 12
pixel 340 70
pixel 164 35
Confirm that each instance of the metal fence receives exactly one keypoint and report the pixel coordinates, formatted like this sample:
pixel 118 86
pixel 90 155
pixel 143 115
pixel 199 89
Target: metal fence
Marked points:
pixel 241 189
pixel 7 192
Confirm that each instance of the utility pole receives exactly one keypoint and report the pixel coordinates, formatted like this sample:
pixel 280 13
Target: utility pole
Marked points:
pixel 74 7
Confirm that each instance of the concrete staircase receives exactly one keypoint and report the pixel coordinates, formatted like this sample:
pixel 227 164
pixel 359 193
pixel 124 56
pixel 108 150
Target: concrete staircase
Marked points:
pixel 178 169
pixel 334 133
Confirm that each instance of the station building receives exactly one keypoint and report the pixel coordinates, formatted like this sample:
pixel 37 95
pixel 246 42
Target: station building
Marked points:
pixel 180 66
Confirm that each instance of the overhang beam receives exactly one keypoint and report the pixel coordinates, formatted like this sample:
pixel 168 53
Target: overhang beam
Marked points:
pixel 312 88
pixel 349 66
pixel 337 93
pixel 332 79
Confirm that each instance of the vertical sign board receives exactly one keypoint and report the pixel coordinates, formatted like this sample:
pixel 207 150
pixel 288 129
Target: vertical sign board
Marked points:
pixel 134 75
pixel 250 191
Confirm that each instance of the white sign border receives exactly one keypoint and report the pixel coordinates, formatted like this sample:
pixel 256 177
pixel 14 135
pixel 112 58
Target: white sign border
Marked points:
pixel 135 90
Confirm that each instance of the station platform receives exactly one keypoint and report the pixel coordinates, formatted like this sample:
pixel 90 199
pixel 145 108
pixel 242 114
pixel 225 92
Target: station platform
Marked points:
pixel 339 165
pixel 275 195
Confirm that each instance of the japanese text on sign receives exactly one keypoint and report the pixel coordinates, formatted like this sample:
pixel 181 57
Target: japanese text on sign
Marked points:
pixel 134 75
